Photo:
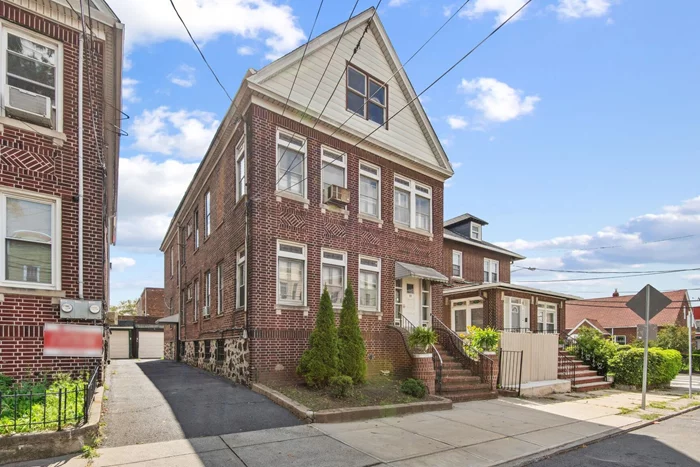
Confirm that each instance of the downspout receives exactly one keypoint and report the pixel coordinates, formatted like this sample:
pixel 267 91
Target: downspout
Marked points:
pixel 81 47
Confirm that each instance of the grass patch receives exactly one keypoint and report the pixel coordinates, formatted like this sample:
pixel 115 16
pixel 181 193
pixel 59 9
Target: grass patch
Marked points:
pixel 378 390
pixel 89 452
pixel 692 404
pixel 650 416
pixel 626 410
pixel 661 406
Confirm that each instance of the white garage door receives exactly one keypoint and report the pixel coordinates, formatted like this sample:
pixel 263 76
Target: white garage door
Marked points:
pixel 119 344
pixel 150 344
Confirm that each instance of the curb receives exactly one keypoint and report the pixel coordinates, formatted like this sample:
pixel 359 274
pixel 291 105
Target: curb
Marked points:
pixel 612 433
pixel 352 414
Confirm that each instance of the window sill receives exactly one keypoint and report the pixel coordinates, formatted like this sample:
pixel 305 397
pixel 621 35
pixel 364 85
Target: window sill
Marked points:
pixel 280 307
pixel 240 308
pixel 398 227
pixel 59 138
pixel 218 315
pixel 293 197
pixel 31 291
pixel 332 208
pixel 368 311
pixel 376 220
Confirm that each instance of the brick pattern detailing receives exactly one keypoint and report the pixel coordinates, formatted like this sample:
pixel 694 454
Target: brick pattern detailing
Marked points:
pixel 41 164
pixel 423 370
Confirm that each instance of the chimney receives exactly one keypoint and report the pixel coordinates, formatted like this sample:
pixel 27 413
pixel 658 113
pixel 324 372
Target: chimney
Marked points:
pixel 616 293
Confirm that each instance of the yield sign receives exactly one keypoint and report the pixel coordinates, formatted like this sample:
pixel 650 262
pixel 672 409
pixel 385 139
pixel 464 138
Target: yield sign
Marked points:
pixel 657 302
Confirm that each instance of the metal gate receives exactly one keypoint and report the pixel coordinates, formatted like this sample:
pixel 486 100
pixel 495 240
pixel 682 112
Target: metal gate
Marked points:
pixel 510 370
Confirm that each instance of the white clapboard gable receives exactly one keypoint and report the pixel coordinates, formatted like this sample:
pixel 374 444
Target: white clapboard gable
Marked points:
pixel 409 133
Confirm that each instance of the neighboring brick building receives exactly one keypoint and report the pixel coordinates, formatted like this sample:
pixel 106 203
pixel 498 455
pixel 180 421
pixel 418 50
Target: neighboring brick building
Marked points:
pixel 47 246
pixel 611 315
pixel 278 209
pixel 152 303
pixel 480 292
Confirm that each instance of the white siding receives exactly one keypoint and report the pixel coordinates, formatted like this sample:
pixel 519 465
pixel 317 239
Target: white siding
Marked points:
pixel 404 133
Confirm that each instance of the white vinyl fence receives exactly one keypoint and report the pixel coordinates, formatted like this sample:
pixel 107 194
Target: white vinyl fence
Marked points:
pixel 540 355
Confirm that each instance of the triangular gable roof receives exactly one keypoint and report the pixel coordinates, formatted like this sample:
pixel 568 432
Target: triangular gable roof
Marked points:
pixel 270 81
pixel 592 323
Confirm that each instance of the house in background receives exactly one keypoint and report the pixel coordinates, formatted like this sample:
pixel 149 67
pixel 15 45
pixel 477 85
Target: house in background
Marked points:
pixel 136 337
pixel 59 137
pixel 610 315
pixel 152 302
pixel 480 292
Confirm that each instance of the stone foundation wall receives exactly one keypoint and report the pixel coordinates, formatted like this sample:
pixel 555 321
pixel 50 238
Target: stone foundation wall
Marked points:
pixel 169 351
pixel 235 365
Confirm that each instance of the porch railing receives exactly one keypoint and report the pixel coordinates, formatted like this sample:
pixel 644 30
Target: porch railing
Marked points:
pixel 437 364
pixel 533 331
pixel 600 365
pixel 510 370
pixel 482 366
pixel 567 368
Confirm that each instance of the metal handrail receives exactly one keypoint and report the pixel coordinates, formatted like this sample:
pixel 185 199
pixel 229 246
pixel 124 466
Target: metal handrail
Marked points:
pixel 437 364
pixel 568 366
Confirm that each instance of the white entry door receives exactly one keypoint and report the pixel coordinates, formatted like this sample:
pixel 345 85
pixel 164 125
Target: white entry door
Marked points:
pixel 411 301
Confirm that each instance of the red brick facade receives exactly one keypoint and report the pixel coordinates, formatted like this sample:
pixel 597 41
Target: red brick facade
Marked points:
pixel 42 164
pixel 152 303
pixel 473 261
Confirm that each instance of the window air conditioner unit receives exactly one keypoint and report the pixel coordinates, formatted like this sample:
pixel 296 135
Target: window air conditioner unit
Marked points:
pixel 337 195
pixel 205 311
pixel 27 105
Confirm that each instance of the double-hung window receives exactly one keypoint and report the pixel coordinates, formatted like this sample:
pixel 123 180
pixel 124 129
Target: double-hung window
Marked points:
pixel 207 294
pixel 370 199
pixel 291 163
pixel 207 214
pixel 172 261
pixel 622 340
pixel 491 273
pixel 366 96
pixel 195 302
pixel 30 254
pixel 240 169
pixel 370 276
pixel 475 231
pixel 546 317
pixel 412 204
pixel 240 278
pixel 456 263
pixel 333 275
pixel 196 229
pixel 219 288
pixel 32 69
pixel 183 246
pixel 291 274
pixel 333 170
pixel 425 302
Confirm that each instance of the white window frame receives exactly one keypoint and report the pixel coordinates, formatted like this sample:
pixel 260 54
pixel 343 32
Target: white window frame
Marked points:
pixel 335 262
pixel 378 178
pixel 207 214
pixel 299 148
pixel 195 300
pixel 460 263
pixel 241 278
pixel 370 268
pixel 296 256
pixel 425 310
pixel 55 204
pixel 39 39
pixel 617 336
pixel 414 190
pixel 337 159
pixel 543 309
pixel 207 294
pixel 525 304
pixel 475 235
pixel 488 263
pixel 172 261
pixel 241 164
pixel 468 305
pixel 220 288
pixel 196 229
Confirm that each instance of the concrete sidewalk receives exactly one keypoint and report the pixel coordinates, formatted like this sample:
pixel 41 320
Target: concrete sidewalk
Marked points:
pixel 481 433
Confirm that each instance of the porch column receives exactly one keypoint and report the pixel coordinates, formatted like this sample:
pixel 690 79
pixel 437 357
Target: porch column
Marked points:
pixel 423 370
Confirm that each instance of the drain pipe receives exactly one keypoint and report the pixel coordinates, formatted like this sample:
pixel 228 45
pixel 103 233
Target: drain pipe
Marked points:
pixel 81 47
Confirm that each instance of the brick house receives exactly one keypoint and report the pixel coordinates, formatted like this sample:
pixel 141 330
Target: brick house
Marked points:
pixel 611 316
pixel 151 302
pixel 480 292
pixel 286 202
pixel 58 176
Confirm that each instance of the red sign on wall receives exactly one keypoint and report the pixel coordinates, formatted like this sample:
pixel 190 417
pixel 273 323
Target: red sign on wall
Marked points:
pixel 72 340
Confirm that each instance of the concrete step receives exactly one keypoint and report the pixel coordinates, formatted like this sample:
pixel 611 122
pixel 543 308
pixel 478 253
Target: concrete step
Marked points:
pixel 451 388
pixel 472 396
pixel 449 372
pixel 580 373
pixel 589 379
pixel 460 379
pixel 452 364
pixel 591 386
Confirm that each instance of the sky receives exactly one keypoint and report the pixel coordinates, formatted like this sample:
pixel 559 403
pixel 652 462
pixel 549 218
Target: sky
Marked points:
pixel 572 130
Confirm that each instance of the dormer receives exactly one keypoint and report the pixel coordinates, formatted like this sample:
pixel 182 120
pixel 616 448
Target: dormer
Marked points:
pixel 467 226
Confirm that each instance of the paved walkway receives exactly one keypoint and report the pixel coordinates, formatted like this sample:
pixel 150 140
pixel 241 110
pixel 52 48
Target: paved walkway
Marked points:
pixel 158 400
pixel 481 433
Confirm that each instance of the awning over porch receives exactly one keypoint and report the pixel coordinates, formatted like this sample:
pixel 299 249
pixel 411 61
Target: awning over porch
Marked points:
pixel 404 270
pixel 172 319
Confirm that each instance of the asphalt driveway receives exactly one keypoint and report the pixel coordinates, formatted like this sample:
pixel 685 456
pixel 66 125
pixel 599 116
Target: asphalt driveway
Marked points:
pixel 158 400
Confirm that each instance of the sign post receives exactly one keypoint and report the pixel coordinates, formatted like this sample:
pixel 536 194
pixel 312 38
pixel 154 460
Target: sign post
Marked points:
pixel 646 304
pixel 690 353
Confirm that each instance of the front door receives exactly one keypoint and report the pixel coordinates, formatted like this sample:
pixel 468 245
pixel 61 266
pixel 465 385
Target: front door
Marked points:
pixel 411 300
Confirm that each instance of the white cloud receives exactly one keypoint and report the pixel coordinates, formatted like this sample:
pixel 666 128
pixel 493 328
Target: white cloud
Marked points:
pixel 184 76
pixel 121 263
pixel 456 122
pixel 151 22
pixel 245 50
pixel 186 134
pixel 502 8
pixel 447 142
pixel 129 90
pixel 447 10
pixel 397 2
pixel 496 100
pixel 492 138
pixel 143 220
pixel 567 9
pixel 457 165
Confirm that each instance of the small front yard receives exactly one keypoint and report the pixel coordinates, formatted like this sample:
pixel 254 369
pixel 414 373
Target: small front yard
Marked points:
pixel 378 390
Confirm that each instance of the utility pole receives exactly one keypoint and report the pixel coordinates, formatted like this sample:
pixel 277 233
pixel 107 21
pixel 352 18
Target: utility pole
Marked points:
pixel 646 351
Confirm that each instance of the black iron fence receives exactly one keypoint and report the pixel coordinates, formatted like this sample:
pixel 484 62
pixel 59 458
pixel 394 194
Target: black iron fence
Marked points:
pixel 510 370
pixel 596 362
pixel 567 368
pixel 22 411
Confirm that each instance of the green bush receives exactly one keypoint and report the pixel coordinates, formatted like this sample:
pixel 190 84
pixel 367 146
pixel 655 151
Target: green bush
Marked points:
pixel 696 363
pixel 340 386
pixel 663 366
pixel 414 387
pixel 320 362
pixel 422 337
pixel 350 342
pixel 623 347
pixel 673 337
pixel 5 383
pixel 594 349
pixel 486 339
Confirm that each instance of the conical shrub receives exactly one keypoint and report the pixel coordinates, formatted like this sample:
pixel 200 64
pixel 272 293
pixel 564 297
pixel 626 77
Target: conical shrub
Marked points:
pixel 320 362
pixel 350 342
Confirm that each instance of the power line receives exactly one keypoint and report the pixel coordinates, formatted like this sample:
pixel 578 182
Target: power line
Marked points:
pixel 200 51
pixel 592 272
pixel 335 158
pixel 609 247
pixel 609 277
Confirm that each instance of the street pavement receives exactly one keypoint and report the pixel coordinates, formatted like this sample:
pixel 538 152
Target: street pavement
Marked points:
pixel 150 401
pixel 672 442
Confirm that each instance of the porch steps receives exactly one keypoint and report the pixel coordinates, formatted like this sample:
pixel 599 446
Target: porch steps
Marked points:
pixel 586 378
pixel 458 383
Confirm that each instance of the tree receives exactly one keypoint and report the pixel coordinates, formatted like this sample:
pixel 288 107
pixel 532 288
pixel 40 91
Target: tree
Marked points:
pixel 350 342
pixel 673 337
pixel 320 362
pixel 125 308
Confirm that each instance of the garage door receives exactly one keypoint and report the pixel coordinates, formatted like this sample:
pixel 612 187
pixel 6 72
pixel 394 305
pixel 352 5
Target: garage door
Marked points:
pixel 119 344
pixel 150 344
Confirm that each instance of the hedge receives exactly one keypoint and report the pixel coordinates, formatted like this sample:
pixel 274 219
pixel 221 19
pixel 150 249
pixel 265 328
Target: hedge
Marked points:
pixel 696 362
pixel 663 366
